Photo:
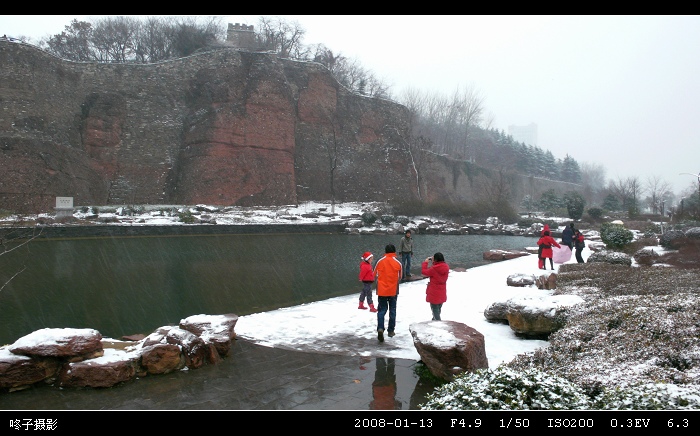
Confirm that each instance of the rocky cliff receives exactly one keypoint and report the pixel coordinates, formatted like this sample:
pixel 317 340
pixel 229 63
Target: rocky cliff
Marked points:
pixel 225 128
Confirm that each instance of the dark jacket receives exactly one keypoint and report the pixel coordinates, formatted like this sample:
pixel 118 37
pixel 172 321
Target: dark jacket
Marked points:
pixel 567 236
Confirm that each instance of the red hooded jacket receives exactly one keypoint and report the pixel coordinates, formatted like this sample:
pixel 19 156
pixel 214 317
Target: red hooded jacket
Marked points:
pixel 436 292
pixel 546 242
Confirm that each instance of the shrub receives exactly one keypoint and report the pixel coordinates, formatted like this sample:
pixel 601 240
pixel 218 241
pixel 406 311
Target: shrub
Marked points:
pixel 507 389
pixel 615 235
pixel 527 222
pixel 574 204
pixel 672 239
pixel 186 217
pixel 368 218
pixel 387 219
pixel 595 212
pixel 531 389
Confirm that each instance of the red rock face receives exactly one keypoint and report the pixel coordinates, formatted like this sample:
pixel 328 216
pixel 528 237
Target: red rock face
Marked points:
pixel 102 130
pixel 235 156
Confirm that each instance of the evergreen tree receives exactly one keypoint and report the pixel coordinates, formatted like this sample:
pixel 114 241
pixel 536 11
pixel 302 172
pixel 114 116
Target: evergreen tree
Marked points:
pixel 570 171
pixel 611 203
pixel 575 204
pixel 549 200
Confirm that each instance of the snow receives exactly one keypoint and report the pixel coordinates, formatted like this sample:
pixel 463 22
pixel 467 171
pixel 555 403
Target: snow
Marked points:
pixel 337 326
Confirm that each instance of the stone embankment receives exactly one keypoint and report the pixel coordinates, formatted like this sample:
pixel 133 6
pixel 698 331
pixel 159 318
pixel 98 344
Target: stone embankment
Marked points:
pixel 83 358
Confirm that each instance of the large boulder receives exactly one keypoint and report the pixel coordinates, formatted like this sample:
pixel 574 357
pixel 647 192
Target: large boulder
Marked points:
pixel 78 344
pixel 532 316
pixel 111 369
pixel 546 281
pixel 449 348
pixel 520 280
pixel 19 372
pixel 215 329
pixel 161 358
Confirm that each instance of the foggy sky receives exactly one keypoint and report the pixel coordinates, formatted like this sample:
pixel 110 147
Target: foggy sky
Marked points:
pixel 619 91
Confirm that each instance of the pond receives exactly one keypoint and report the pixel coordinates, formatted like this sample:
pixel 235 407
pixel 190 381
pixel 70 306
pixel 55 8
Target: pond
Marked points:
pixel 129 285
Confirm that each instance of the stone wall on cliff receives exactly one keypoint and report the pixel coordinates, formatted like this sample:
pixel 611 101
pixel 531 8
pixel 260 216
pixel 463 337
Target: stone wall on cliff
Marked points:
pixel 224 127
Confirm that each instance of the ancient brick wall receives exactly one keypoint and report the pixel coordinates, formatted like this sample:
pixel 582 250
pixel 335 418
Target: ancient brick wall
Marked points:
pixel 226 127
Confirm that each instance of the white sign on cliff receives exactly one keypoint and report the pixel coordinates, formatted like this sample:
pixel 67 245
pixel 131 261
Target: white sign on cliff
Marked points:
pixel 64 202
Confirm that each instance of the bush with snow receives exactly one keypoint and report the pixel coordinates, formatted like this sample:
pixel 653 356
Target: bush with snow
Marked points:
pixel 615 235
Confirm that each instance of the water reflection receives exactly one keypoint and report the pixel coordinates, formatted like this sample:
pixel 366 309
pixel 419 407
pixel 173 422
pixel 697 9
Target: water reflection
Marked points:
pixel 384 386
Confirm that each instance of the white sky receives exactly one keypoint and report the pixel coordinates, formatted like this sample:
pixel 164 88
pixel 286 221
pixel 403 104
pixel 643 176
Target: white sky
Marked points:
pixel 620 91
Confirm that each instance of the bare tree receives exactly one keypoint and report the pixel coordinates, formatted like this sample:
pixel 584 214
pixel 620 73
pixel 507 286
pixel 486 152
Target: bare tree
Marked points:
pixel 469 115
pixel 113 38
pixel 281 37
pixel 447 122
pixel 628 191
pixel 126 39
pixel 348 72
pixel 658 190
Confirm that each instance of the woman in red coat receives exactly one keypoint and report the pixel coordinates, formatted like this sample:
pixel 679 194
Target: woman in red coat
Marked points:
pixel 545 243
pixel 436 292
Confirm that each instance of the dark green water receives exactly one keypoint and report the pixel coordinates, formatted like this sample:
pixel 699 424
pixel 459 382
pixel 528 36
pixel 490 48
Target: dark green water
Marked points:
pixel 128 285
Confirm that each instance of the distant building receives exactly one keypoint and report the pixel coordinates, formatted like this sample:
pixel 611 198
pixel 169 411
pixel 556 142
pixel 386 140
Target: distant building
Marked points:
pixel 241 35
pixel 525 134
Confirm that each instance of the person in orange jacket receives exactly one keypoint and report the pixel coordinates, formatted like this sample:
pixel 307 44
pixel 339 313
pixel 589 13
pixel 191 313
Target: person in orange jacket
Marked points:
pixel 367 279
pixel 388 272
pixel 436 291
pixel 545 243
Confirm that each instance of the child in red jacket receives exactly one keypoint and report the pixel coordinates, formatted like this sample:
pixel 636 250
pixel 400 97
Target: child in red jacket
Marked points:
pixel 367 278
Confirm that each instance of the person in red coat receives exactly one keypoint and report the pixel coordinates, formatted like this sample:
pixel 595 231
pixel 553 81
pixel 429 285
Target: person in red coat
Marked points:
pixel 545 243
pixel 436 292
